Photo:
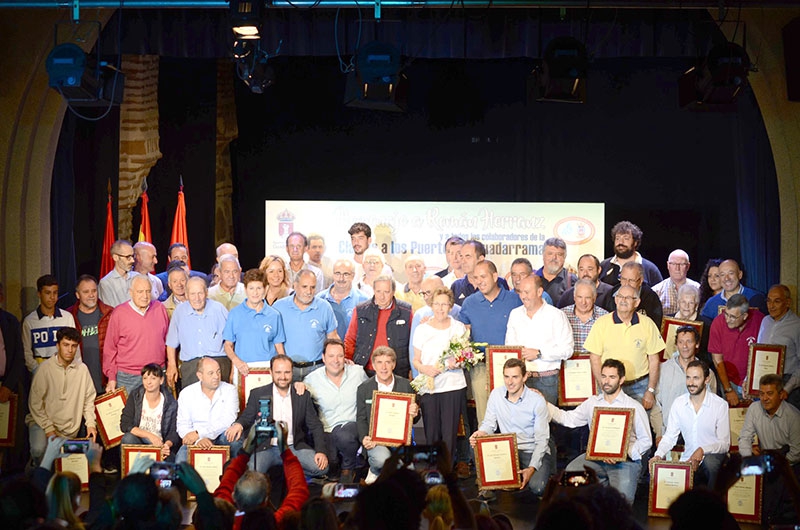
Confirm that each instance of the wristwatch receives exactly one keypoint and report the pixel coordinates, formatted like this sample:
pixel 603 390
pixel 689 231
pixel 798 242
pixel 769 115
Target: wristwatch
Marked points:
pixel 728 390
pixel 651 390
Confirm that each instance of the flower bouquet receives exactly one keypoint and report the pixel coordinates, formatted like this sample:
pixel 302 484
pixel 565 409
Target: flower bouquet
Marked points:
pixel 460 353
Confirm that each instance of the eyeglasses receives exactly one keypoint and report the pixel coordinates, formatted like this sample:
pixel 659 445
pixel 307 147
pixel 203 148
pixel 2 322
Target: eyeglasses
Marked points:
pixel 342 274
pixel 626 298
pixel 729 316
pixel 372 262
pixel 125 256
pixel 426 294
pixel 676 264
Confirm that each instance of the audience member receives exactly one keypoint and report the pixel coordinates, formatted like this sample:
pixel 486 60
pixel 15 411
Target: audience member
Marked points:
pixel 64 499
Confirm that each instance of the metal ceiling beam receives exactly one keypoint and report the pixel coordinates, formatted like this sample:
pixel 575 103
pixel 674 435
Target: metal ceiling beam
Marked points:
pixel 390 4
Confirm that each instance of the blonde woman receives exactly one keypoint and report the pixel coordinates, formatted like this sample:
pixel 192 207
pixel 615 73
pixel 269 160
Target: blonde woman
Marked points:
pixel 63 499
pixel 277 280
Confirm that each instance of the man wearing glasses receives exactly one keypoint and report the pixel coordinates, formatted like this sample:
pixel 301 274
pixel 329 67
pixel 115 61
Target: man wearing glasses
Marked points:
pixel 342 295
pixel 667 290
pixel 632 275
pixel 113 287
pixel 732 333
pixel 629 337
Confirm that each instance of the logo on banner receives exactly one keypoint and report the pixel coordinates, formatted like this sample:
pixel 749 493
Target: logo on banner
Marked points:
pixel 574 230
pixel 285 223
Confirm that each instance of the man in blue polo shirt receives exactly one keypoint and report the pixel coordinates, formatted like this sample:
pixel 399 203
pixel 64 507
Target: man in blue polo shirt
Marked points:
pixel 307 322
pixel 485 313
pixel 471 253
pixel 254 333
pixel 342 295
pixel 731 276
pixel 196 328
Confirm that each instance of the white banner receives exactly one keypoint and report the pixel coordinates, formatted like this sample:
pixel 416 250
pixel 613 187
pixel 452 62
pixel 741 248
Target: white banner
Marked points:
pixel 509 230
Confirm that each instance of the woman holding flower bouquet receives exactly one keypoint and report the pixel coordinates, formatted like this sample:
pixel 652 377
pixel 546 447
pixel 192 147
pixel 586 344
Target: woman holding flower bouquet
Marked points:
pixel 441 382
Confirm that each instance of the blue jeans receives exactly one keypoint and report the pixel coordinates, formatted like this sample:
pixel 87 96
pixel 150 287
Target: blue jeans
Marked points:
pixel 129 381
pixel 547 385
pixel 377 456
pixel 636 390
pixel 622 476
pixel 538 481
pixel 183 452
pixel 262 461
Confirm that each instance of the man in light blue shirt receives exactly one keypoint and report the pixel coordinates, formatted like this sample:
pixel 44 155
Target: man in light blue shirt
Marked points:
pixel 516 409
pixel 342 295
pixel 782 326
pixel 334 389
pixel 307 322
pixel 205 410
pixel 196 328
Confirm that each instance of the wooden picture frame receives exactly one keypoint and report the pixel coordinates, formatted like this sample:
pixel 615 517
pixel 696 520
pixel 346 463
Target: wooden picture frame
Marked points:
pixel 609 434
pixel 108 411
pixel 763 359
pixel 77 463
pixel 209 463
pixel 129 452
pixel 745 499
pixel 575 381
pixel 668 480
pixel 255 378
pixel 669 328
pixel 497 461
pixel 8 421
pixel 496 357
pixel 389 419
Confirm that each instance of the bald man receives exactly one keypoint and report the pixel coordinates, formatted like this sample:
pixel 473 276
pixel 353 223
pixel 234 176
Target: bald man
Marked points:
pixel 731 275
pixel 136 336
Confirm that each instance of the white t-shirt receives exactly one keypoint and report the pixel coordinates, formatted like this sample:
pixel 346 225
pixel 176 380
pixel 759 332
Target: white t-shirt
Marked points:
pixel 432 343
pixel 151 417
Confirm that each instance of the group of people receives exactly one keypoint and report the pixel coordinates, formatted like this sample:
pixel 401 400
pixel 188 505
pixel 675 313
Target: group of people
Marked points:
pixel 333 331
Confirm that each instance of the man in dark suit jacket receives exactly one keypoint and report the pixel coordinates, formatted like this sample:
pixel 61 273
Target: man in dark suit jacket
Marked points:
pixel 384 360
pixel 285 404
pixel 13 381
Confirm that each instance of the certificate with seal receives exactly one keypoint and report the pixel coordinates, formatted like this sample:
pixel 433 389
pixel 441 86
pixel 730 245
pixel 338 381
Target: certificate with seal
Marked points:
pixel 496 357
pixel 763 359
pixel 669 327
pixel 77 463
pixel 609 434
pixel 497 461
pixel 209 463
pixel 744 499
pixel 736 417
pixel 389 420
pixel 108 410
pixel 129 453
pixel 668 480
pixel 255 378
pixel 576 382
pixel 8 421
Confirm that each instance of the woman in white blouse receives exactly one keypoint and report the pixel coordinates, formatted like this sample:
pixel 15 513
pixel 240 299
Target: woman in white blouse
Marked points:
pixel 441 407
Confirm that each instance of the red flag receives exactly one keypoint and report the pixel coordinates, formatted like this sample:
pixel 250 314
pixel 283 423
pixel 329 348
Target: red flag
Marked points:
pixel 144 226
pixel 106 263
pixel 179 233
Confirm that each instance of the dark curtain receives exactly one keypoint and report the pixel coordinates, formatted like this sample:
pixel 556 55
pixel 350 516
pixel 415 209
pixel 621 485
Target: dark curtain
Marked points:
pixel 62 213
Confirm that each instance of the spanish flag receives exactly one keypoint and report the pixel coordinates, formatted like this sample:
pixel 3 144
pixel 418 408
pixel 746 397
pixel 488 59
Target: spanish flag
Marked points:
pixel 179 233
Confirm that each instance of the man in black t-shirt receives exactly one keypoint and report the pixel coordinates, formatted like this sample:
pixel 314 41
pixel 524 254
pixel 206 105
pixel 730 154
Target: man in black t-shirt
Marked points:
pixel 91 319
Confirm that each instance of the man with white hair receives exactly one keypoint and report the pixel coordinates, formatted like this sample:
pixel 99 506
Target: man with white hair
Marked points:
pixel 230 290
pixel 136 336
pixel 227 248
pixel 667 290
pixel 556 279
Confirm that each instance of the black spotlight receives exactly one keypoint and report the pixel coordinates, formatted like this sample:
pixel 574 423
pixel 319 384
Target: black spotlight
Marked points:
pixel 377 82
pixel 717 80
pixel 562 75
pixel 83 80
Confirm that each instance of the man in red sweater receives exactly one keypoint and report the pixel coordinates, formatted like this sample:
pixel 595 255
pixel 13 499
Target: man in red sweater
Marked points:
pixel 136 336
pixel 249 490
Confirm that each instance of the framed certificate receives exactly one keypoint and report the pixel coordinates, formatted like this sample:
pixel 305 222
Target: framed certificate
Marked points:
pixel 609 433
pixel 497 461
pixel 389 421
pixel 668 480
pixel 255 378
pixel 744 499
pixel 763 359
pixel 669 327
pixel 736 418
pixel 108 410
pixel 77 463
pixel 8 421
pixel 209 463
pixel 576 382
pixel 496 357
pixel 129 452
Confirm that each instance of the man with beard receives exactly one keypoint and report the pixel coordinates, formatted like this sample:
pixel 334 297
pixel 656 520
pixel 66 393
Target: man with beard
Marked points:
pixel 360 240
pixel 701 417
pixel 589 269
pixel 622 476
pixel 113 287
pixel 556 278
pixel 627 240
pixel 91 319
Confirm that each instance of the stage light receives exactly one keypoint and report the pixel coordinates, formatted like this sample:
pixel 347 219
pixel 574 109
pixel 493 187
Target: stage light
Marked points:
pixel 252 67
pixel 81 80
pixel 562 74
pixel 246 18
pixel 717 81
pixel 377 82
